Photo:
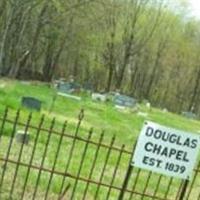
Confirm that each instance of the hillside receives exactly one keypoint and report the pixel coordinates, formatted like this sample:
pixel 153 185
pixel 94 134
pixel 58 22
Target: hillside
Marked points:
pixel 88 165
pixel 125 125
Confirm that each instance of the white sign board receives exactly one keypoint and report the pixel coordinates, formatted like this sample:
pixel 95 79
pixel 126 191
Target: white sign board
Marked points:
pixel 167 151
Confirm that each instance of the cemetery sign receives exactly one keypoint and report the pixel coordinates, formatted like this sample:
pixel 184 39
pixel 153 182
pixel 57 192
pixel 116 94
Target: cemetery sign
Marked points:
pixel 167 151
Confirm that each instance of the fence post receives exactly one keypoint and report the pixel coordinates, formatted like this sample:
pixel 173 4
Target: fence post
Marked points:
pixel 183 190
pixel 128 175
pixel 125 183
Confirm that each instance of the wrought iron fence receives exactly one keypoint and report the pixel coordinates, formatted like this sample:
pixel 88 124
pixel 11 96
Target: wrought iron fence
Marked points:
pixel 58 163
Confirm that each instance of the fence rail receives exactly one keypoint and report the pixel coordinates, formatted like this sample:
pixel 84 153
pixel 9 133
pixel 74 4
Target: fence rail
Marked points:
pixel 63 162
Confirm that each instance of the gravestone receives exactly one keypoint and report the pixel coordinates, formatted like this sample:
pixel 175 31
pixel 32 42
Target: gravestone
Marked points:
pixel 31 103
pixel 125 101
pixel 111 96
pixel 99 97
pixel 68 87
pixel 22 137
pixel 189 115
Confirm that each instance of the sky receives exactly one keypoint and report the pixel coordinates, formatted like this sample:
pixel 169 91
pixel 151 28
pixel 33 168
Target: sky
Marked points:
pixel 195 8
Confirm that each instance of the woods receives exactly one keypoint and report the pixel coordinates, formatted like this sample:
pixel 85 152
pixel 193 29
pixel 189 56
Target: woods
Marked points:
pixel 148 49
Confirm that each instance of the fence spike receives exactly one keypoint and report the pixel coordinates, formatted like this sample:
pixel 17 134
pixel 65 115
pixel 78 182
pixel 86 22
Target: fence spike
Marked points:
pixel 81 115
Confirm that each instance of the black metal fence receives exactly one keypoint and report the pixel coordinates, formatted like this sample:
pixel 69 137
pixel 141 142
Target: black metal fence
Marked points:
pixel 57 163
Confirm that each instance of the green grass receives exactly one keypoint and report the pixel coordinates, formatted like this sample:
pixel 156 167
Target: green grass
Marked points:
pixel 125 125
pixel 102 116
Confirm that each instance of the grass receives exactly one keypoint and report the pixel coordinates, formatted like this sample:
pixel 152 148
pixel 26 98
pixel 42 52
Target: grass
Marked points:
pixel 125 125
pixel 102 116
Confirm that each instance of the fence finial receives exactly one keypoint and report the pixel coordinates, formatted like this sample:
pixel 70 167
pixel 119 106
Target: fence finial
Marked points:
pixel 81 115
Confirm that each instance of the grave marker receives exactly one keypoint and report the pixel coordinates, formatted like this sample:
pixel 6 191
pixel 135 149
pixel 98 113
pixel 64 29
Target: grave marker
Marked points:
pixel 31 103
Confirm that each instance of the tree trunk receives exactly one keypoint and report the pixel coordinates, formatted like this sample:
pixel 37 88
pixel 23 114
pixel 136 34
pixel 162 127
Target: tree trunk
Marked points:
pixel 34 42
pixel 4 40
pixel 195 91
